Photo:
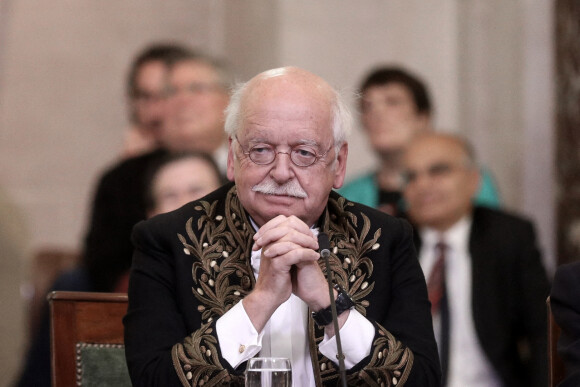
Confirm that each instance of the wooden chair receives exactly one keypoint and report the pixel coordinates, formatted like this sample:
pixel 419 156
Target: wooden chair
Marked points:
pixel 556 370
pixel 87 339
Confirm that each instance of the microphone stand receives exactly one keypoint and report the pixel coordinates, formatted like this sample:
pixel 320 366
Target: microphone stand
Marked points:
pixel 324 246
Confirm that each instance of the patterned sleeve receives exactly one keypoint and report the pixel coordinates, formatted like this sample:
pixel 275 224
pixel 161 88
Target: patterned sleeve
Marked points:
pixel 160 348
pixel 374 258
pixel 198 363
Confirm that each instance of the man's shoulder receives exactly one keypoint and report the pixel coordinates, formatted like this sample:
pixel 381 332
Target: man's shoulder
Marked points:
pixel 568 272
pixel 566 283
pixel 502 225
pixel 493 215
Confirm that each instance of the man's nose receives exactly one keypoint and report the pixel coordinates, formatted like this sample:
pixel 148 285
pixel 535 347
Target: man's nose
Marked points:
pixel 423 181
pixel 282 170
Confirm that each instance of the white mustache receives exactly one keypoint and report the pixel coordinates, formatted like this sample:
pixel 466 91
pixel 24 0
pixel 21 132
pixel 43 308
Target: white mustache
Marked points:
pixel 291 188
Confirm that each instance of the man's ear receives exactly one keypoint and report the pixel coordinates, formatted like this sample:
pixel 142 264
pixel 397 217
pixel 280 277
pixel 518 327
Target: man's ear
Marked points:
pixel 340 166
pixel 231 157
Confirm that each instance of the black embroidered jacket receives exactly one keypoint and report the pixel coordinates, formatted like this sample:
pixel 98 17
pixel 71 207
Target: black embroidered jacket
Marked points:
pixel 192 265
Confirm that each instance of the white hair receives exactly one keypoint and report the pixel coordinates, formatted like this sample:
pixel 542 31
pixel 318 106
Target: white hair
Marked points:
pixel 342 120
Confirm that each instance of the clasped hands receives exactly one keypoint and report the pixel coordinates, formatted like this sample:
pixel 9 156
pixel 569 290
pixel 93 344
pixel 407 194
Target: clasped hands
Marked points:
pixel 288 265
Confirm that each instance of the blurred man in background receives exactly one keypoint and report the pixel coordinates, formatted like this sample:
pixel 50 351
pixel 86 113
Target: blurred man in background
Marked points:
pixel 485 278
pixel 197 94
pixel 119 200
pixel 395 106
pixel 146 95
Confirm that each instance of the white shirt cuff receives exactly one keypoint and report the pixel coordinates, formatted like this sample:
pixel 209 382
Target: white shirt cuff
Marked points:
pixel 356 337
pixel 238 339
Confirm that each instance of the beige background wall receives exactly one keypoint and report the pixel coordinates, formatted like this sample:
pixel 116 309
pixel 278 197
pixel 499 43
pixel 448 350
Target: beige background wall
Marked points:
pixel 63 65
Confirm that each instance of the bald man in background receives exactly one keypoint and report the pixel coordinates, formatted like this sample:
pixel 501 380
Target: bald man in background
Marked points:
pixel 483 268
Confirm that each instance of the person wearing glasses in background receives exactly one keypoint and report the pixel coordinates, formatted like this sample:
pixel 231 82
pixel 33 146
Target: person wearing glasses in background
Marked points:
pixel 118 202
pixel 146 95
pixel 237 274
pixel 395 106
pixel 484 272
pixel 196 92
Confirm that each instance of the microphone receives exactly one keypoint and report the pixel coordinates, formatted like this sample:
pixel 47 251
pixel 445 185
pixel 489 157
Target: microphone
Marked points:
pixel 324 247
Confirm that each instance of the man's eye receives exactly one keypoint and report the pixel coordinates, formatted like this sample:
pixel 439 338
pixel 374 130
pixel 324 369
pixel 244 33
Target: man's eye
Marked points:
pixel 305 152
pixel 142 95
pixel 440 169
pixel 197 88
pixel 261 149
pixel 409 177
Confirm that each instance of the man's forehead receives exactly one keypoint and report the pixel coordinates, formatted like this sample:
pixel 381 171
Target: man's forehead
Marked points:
pixel 434 151
pixel 280 120
pixel 289 80
pixel 279 98
pixel 193 68
pixel 386 88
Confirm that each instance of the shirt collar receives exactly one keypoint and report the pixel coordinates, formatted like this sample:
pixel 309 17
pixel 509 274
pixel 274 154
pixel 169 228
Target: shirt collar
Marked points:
pixel 457 236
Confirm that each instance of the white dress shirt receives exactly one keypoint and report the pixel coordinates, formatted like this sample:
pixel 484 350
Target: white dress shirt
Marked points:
pixel 285 335
pixel 468 365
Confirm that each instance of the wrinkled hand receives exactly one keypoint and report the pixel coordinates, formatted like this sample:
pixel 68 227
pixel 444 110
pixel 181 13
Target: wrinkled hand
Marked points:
pixel 286 242
pixel 288 264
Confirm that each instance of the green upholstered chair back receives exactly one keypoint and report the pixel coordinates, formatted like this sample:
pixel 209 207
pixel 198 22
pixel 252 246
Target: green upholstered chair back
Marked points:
pixel 87 339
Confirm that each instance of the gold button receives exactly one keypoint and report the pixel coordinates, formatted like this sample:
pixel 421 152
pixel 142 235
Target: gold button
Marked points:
pixel 242 348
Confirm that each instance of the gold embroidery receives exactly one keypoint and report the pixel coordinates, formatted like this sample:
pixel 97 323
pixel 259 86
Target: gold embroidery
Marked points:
pixel 354 270
pixel 219 239
pixel 197 362
pixel 390 364
pixel 221 271
pixel 219 243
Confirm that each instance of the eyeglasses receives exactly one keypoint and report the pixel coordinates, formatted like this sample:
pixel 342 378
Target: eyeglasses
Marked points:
pixel 196 88
pixel 435 171
pixel 300 155
pixel 147 97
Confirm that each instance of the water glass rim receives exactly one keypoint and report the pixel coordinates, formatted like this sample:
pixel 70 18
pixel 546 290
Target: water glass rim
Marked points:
pixel 269 362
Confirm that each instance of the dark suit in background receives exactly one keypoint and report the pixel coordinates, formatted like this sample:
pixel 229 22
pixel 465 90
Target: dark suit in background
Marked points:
pixel 565 300
pixel 509 289
pixel 119 203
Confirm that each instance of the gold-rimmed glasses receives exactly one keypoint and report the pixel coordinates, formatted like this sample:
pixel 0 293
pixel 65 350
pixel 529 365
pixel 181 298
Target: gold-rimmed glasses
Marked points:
pixel 301 155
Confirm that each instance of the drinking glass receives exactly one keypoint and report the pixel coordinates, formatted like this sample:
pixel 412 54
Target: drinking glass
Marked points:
pixel 269 372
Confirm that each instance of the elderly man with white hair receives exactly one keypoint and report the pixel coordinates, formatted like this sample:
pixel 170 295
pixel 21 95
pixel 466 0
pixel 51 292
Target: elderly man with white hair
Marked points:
pixel 237 274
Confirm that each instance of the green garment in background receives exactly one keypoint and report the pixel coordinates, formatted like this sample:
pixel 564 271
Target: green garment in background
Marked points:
pixel 365 190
